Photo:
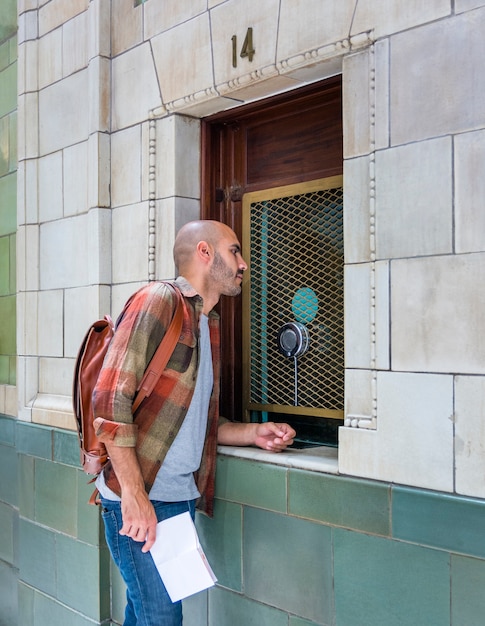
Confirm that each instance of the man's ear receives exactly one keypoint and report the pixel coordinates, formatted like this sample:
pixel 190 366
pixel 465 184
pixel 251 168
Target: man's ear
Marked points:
pixel 204 251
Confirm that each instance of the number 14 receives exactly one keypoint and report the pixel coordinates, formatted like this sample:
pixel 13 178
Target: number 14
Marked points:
pixel 247 49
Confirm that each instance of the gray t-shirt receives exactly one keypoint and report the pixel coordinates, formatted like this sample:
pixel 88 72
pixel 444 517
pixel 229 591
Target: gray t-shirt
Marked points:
pixel 175 480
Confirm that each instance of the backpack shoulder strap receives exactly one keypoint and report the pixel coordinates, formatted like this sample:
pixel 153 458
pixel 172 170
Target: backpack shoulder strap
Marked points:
pixel 163 353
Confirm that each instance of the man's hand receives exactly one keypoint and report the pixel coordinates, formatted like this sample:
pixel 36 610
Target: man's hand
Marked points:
pixel 274 437
pixel 139 518
pixel 269 436
pixel 138 515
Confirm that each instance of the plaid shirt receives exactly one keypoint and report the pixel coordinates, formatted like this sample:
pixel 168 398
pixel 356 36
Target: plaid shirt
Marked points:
pixel 159 417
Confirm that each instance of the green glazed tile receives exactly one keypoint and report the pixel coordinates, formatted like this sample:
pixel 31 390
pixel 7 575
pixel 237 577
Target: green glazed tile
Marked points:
pixel 26 604
pixel 7 430
pixel 381 582
pixel 90 527
pixel 37 565
pixel 351 503
pixel 8 203
pixel 8 472
pixel 8 305
pixel 86 594
pixel 286 561
pixel 8 90
pixel 55 496
pixel 297 621
pixel 439 520
pixel 4 370
pixel 467 586
pixel 228 608
pixel 8 595
pixel 34 440
pixel 221 540
pixel 48 611
pixel 8 517
pixel 195 609
pixel 26 487
pixel 66 448
pixel 249 482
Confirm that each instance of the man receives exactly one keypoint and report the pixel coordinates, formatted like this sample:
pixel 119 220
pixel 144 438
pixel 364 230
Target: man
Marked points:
pixel 164 462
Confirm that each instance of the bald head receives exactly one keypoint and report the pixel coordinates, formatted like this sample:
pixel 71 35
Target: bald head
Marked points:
pixel 191 234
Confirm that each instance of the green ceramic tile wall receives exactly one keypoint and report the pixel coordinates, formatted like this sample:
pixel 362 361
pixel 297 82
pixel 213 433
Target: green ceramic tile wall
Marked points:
pixel 439 520
pixel 347 502
pixel 297 568
pixel 381 582
pixel 8 193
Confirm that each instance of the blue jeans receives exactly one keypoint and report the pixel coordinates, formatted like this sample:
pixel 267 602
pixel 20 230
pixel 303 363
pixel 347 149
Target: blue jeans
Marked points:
pixel 148 603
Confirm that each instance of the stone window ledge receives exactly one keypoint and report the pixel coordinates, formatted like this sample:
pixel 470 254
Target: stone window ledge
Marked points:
pixel 319 459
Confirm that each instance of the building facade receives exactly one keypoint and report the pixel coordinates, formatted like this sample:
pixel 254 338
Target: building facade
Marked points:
pixel 119 122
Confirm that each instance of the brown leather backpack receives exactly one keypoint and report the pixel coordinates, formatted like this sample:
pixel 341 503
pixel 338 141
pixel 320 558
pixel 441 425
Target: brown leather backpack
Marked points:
pixel 86 371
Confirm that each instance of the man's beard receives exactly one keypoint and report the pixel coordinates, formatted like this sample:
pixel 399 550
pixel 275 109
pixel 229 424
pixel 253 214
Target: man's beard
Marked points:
pixel 223 275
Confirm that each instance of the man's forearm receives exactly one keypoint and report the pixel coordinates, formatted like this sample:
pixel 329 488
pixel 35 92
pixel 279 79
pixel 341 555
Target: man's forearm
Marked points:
pixel 236 434
pixel 126 467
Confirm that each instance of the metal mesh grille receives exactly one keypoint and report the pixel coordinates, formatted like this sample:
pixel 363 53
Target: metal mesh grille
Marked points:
pixel 296 248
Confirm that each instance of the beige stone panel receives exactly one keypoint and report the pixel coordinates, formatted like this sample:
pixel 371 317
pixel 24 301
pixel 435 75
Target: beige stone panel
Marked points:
pixel 50 187
pixel 130 243
pixel 63 246
pixel 126 166
pixel 158 16
pixel 99 78
pixel 359 401
pixel 385 18
pixel 27 5
pixel 31 191
pixel 135 88
pixel 11 402
pixel 413 444
pixel 50 311
pixel 50 58
pixel 424 103
pixel 64 113
pixel 253 87
pixel 28 126
pixel 468 5
pixel 2 399
pixel 356 104
pixel 75 179
pixel 28 26
pixel 357 315
pixel 75 44
pixel 183 59
pixel 55 376
pixel 21 208
pixel 232 19
pixel 27 337
pixel 28 73
pixel 381 314
pixel 53 410
pixel 27 385
pixel 28 257
pixel 437 314
pixel 470 191
pixel 171 215
pixel 177 157
pixel 127 25
pixel 414 196
pixel 99 165
pixel 357 210
pixel 98 253
pixel 470 435
pixel 309 24
pixel 99 28
pixel 82 306
pixel 57 12
pixel 381 94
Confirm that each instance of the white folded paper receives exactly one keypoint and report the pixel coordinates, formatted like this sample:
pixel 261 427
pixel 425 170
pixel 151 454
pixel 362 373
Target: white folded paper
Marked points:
pixel 179 558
